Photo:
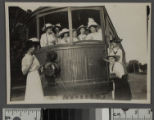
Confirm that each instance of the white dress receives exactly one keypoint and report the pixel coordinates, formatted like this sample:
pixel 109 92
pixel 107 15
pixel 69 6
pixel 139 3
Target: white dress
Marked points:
pixel 94 36
pixel 82 36
pixel 116 51
pixel 118 69
pixel 47 39
pixel 75 39
pixel 64 41
pixel 34 90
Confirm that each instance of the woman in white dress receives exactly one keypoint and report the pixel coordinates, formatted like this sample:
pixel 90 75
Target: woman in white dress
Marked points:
pixel 65 38
pixel 48 37
pixel 30 66
pixel 75 35
pixel 115 49
pixel 82 31
pixel 94 34
pixel 57 29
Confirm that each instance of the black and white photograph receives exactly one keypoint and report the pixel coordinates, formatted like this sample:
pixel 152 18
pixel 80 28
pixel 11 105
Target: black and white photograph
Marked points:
pixel 78 52
pixel 77 114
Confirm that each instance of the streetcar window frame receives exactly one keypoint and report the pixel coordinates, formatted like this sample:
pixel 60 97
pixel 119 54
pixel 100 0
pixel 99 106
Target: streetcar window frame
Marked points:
pixel 50 10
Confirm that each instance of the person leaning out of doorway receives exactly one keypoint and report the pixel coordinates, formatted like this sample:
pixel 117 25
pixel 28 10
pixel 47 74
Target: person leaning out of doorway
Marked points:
pixel 114 49
pixel 48 37
pixel 121 86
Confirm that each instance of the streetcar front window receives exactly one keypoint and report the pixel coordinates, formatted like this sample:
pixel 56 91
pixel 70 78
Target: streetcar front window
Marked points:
pixel 87 24
pixel 71 25
pixel 59 27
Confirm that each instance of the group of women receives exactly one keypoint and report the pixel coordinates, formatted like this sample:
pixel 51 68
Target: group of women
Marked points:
pixel 54 34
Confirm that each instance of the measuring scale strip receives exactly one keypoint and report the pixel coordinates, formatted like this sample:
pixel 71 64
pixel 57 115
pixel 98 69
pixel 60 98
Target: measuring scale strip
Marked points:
pixel 131 114
pixel 21 114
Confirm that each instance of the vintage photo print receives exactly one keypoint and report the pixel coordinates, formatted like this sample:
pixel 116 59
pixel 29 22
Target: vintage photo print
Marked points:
pixel 77 114
pixel 78 52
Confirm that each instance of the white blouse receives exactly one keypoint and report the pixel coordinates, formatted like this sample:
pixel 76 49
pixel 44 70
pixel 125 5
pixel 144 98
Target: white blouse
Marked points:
pixel 47 39
pixel 64 41
pixel 94 36
pixel 116 51
pixel 82 36
pixel 75 39
pixel 26 63
pixel 118 69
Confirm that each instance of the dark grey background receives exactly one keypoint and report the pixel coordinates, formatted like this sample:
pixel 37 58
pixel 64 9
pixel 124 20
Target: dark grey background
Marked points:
pixel 3 63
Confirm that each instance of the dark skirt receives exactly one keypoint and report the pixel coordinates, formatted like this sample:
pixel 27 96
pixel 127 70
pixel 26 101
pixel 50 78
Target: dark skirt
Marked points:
pixel 122 89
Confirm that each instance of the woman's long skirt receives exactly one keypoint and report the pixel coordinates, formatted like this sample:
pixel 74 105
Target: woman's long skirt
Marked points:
pixel 34 90
pixel 122 89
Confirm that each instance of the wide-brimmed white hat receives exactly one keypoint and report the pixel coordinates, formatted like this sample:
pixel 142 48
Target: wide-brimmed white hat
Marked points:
pixel 34 39
pixel 81 26
pixel 46 26
pixel 65 30
pixel 91 22
pixel 58 25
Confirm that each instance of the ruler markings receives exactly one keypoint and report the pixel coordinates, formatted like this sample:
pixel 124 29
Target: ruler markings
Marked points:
pixel 23 114
pixel 131 114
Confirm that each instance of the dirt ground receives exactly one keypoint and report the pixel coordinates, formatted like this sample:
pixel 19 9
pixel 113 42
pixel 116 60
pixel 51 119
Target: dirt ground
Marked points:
pixel 137 83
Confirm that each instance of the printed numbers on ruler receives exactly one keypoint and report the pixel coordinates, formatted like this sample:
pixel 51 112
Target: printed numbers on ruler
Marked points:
pixel 131 114
pixel 21 114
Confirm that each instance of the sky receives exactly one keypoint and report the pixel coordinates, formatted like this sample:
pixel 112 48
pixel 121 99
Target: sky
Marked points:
pixel 129 21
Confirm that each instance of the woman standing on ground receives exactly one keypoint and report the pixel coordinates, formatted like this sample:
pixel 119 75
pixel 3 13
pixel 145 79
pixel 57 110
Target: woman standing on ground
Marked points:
pixel 30 66
pixel 120 80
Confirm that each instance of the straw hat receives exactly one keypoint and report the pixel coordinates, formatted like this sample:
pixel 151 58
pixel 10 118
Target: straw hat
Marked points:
pixel 34 39
pixel 65 30
pixel 116 57
pixel 58 25
pixel 81 26
pixel 91 22
pixel 30 43
pixel 46 26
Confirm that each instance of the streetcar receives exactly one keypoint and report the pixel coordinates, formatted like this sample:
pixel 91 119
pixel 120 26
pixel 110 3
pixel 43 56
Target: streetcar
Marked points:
pixel 82 68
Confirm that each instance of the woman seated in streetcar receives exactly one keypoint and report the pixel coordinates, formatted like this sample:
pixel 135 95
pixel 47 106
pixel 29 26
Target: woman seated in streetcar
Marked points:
pixel 64 35
pixel 94 34
pixel 48 37
pixel 75 35
pixel 82 32
pixel 56 30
